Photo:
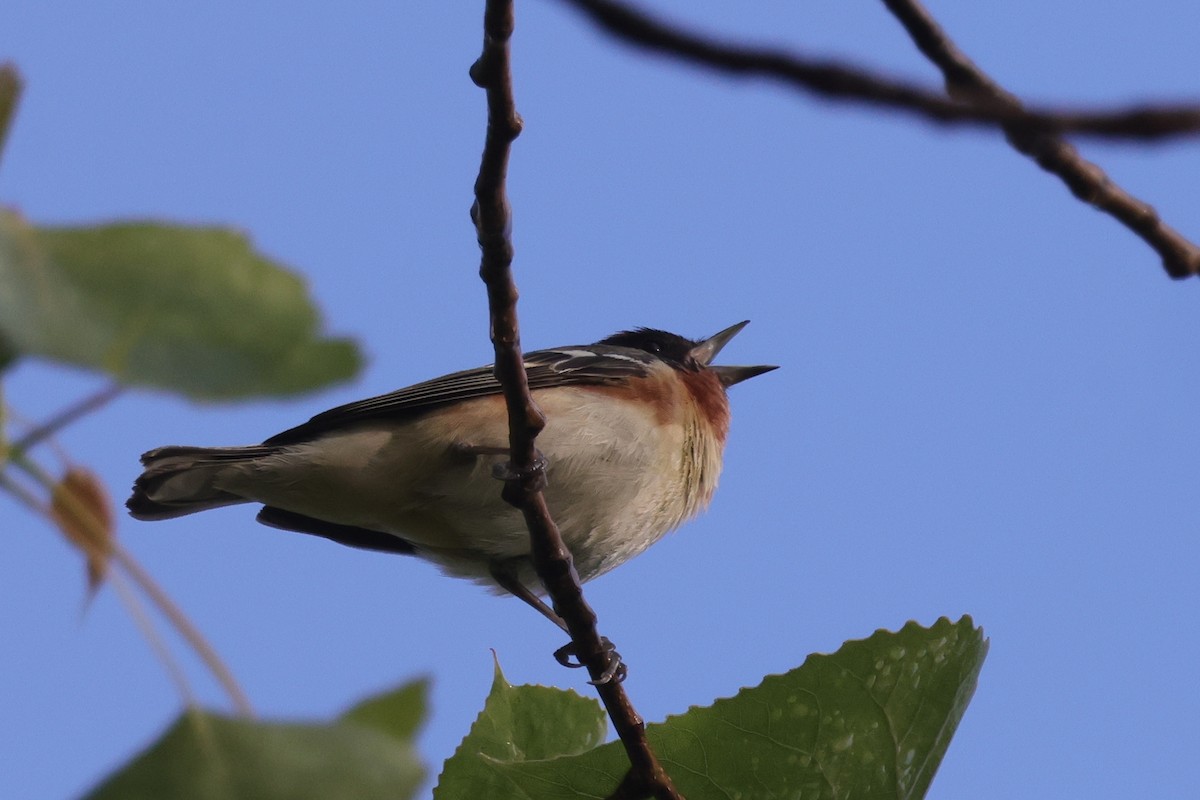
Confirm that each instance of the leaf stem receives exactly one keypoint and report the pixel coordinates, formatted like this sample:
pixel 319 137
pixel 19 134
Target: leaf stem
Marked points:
pixel 10 94
pixel 65 417
pixel 137 574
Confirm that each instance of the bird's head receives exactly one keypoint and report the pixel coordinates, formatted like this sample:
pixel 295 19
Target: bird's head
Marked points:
pixel 689 354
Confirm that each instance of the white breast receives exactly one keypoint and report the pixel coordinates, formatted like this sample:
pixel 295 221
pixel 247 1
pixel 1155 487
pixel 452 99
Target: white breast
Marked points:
pixel 617 481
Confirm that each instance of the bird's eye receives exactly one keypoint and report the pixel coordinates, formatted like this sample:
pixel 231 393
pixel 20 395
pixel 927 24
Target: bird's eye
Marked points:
pixel 654 347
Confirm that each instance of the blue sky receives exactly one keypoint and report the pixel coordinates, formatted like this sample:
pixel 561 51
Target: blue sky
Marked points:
pixel 985 406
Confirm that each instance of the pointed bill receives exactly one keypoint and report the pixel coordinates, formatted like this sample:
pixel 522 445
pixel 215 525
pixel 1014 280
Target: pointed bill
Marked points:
pixel 731 375
pixel 707 350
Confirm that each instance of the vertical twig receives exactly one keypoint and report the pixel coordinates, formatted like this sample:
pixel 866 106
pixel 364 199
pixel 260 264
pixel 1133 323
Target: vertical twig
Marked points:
pixel 492 216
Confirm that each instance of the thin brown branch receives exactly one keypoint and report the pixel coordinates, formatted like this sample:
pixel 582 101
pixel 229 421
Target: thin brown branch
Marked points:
pixel 839 81
pixel 1087 181
pixel 975 100
pixel 551 558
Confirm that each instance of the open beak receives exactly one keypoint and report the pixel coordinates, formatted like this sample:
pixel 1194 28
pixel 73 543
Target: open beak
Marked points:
pixel 707 350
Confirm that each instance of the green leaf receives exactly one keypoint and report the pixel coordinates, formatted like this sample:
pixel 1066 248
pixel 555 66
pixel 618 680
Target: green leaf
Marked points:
pixel 188 309
pixel 211 757
pixel 871 720
pixel 399 713
pixel 519 723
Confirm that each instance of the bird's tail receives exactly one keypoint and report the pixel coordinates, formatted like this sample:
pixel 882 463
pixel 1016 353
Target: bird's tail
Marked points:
pixel 182 480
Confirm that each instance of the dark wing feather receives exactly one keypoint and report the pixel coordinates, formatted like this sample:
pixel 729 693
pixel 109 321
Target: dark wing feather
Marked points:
pixel 562 366
pixel 362 538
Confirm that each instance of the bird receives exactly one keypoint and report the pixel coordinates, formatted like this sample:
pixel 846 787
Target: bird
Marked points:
pixel 633 444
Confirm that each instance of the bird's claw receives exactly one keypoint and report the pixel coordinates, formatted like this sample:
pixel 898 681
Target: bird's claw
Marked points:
pixel 614 670
pixel 507 471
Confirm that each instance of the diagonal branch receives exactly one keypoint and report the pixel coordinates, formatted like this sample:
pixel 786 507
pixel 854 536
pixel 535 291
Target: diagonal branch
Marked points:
pixel 1086 180
pixel 839 81
pixel 551 558
pixel 66 417
pixel 975 100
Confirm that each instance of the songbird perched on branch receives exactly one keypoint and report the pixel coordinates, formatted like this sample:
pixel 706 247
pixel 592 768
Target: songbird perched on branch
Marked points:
pixel 635 432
